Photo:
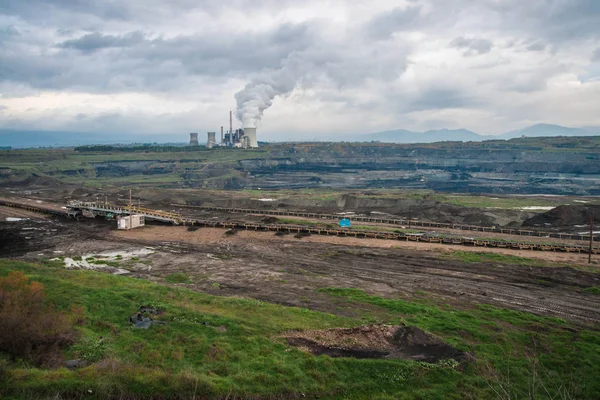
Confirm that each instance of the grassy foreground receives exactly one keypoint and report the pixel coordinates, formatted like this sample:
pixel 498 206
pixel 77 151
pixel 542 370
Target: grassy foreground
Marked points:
pixel 216 347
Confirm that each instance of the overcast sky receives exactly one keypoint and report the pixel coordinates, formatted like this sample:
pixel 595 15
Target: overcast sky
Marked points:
pixel 332 67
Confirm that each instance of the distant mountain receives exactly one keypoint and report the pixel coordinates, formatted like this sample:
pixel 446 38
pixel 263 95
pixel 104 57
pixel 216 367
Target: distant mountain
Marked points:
pixel 593 129
pixel 546 130
pixel 30 138
pixel 441 135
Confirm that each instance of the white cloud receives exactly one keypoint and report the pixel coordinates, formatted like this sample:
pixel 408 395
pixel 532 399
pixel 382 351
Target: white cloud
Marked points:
pixel 153 66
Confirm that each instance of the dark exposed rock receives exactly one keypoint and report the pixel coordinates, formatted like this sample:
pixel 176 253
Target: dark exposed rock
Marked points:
pixel 566 216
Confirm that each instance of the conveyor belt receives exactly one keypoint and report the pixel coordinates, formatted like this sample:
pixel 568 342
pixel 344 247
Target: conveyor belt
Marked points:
pixel 176 218
pixel 403 222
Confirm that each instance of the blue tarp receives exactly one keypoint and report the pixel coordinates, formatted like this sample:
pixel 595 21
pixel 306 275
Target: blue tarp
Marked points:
pixel 345 223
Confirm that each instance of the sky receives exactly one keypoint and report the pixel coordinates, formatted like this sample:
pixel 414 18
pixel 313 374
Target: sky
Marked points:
pixel 298 69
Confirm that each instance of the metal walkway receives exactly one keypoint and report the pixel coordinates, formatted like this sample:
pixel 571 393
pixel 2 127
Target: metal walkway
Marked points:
pixel 107 210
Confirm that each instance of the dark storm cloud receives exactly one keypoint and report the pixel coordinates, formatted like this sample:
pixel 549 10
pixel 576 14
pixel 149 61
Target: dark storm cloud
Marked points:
pixel 537 46
pixel 573 19
pixel 118 46
pixel 472 46
pixel 96 41
pixel 93 12
pixel 98 62
pixel 399 19
pixel 49 9
pixel 441 98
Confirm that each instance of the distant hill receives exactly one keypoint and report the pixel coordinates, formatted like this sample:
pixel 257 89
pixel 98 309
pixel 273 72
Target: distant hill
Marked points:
pixel 30 138
pixel 440 135
pixel 34 138
pixel 540 130
pixel 464 135
pixel 593 129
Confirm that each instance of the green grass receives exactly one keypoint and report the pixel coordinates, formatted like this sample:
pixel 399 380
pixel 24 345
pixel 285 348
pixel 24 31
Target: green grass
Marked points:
pixel 178 277
pixel 305 222
pixel 189 357
pixel 510 341
pixel 592 290
pixel 497 258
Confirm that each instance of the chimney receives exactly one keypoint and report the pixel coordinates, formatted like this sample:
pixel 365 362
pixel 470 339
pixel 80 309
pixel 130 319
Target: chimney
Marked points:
pixel 222 139
pixel 193 139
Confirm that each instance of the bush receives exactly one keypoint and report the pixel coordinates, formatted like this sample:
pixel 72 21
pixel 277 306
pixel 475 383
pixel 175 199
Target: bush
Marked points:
pixel 30 327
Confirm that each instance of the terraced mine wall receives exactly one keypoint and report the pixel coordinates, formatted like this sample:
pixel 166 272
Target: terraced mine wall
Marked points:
pixel 453 167
pixel 559 165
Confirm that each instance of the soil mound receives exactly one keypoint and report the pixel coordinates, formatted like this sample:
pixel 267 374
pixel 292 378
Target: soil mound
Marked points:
pixel 270 220
pixel 563 216
pixel 11 242
pixel 375 341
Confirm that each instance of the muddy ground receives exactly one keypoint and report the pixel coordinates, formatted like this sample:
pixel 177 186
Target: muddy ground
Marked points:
pixel 287 270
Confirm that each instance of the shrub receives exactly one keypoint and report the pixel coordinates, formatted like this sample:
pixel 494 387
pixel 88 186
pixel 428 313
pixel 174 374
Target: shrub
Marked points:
pixel 30 327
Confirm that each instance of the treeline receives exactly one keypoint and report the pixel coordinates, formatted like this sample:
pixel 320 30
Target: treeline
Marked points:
pixel 142 148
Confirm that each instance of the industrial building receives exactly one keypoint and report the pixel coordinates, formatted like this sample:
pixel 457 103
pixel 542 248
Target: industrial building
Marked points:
pixel 242 138
pixel 130 222
pixel 193 139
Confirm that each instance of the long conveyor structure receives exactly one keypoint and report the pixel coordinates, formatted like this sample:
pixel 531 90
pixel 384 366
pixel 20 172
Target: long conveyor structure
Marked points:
pixel 102 209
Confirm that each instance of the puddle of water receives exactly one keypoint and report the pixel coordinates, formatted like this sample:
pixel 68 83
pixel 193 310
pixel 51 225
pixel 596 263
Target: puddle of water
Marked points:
pixel 15 219
pixel 106 256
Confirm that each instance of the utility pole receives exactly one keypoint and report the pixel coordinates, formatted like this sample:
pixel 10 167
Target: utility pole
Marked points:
pixel 591 237
pixel 130 216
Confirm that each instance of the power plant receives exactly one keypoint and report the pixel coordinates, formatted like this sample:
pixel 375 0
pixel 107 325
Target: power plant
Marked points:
pixel 211 141
pixel 242 138
pixel 194 139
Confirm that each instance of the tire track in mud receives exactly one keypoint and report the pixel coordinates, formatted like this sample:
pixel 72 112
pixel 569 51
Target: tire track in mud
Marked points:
pixel 515 292
pixel 539 290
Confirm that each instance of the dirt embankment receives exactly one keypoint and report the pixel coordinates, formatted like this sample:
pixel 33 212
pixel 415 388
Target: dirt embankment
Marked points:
pixel 376 341
pixel 566 217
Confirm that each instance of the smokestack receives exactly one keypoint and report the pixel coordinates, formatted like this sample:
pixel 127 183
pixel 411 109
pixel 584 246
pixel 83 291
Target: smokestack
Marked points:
pixel 222 139
pixel 211 139
pixel 230 123
pixel 250 133
pixel 193 139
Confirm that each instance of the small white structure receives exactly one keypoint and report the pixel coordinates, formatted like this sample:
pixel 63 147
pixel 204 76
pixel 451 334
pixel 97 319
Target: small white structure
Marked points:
pixel 136 221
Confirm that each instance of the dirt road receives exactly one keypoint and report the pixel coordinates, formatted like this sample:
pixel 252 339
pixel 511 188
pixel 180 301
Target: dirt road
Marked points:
pixel 290 271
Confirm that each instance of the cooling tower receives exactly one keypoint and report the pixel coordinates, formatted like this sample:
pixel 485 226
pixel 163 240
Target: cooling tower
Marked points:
pixel 251 134
pixel 211 141
pixel 193 139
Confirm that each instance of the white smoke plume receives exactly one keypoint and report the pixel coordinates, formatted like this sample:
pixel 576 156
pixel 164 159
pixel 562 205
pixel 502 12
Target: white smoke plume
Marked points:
pixel 258 95
pixel 343 66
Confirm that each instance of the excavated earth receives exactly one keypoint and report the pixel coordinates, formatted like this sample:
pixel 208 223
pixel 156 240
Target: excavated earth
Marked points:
pixel 375 341
pixel 290 271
